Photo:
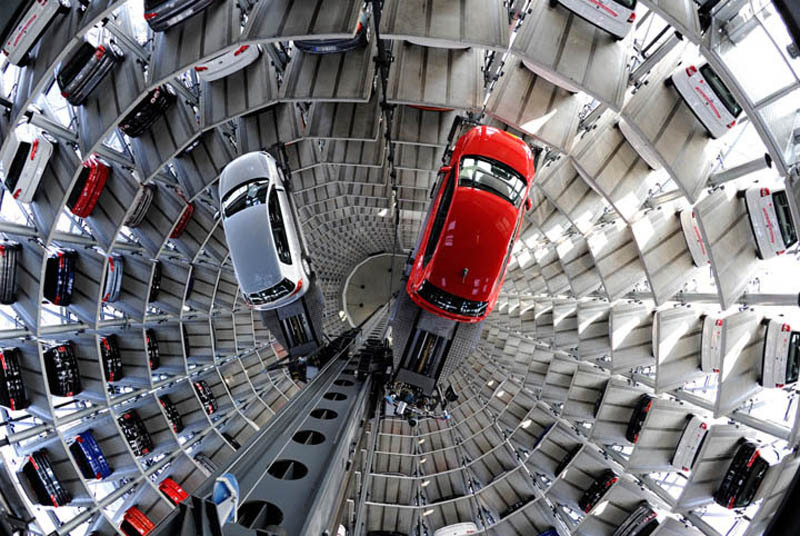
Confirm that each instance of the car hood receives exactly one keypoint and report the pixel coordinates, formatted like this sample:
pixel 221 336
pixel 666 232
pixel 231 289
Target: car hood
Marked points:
pixel 475 238
pixel 252 249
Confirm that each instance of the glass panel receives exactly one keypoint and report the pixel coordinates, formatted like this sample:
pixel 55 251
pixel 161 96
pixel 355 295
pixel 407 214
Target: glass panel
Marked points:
pixel 248 194
pixel 721 90
pixel 785 223
pixel 792 366
pixel 10 10
pixel 630 4
pixel 441 216
pixel 15 170
pixel 278 228
pixel 494 177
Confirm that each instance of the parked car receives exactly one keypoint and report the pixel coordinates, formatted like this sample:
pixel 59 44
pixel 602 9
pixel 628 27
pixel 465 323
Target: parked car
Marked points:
pixel 173 415
pixel 85 68
pixel 360 39
pixel 640 145
pixel 162 15
pixel 689 444
pixel 9 255
pixel 596 490
pixel 549 532
pixel 694 240
pixel 614 16
pixel 780 358
pixel 205 464
pixel 568 457
pixel 640 411
pixel 155 282
pixel 227 63
pixel 12 389
pixel 231 440
pixel 59 277
pixel 459 529
pixel 473 222
pixel 113 286
pixel 770 220
pixel 259 225
pixel 43 480
pixel 743 477
pixel 89 457
pixel 641 522
pixel 141 204
pixel 711 343
pixel 23 160
pixel 135 433
pixel 514 507
pixel 153 354
pixel 24 22
pixel 136 523
pixel 183 221
pixel 111 357
pixel 206 396
pixel 707 97
pixel 91 181
pixel 61 365
pixel 173 490
pixel 147 111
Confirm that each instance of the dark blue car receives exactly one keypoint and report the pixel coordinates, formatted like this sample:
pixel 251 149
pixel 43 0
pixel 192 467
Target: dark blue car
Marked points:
pixel 90 458
pixel 338 46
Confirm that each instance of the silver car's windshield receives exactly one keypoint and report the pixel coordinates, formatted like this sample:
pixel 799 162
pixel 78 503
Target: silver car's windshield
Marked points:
pixel 248 194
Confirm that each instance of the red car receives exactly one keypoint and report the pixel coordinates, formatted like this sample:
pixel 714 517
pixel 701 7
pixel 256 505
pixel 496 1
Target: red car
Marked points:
pixel 183 221
pixel 173 490
pixel 472 225
pixel 136 523
pixel 91 181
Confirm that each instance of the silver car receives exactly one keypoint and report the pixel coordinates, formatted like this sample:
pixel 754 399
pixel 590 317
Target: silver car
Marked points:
pixel 263 240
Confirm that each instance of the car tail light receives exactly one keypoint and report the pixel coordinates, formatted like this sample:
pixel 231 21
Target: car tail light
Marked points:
pixel 764 192
pixel 786 327
pixel 359 27
pixel 99 52
pixel 718 322
pixel 703 426
pixel 34 148
pixel 200 69
pixel 691 70
pixel 649 405
pixel 730 503
pixel 148 16
pixel 732 124
pixel 297 288
pixel 753 458
pixel 632 17
pixel 241 49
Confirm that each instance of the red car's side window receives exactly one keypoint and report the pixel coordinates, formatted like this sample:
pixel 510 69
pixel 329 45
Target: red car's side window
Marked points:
pixel 441 215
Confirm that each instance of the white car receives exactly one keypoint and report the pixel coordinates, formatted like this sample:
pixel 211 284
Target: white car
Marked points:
pixel 23 160
pixel 614 16
pixel 694 240
pixel 228 63
pixel 770 220
pixel 642 148
pixel 459 529
pixel 264 243
pixel 711 344
pixel 779 362
pixel 25 21
pixel 544 73
pixel 689 445
pixel 707 97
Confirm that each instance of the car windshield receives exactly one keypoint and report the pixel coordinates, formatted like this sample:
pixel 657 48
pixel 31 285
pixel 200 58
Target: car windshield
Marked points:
pixel 10 10
pixel 630 4
pixel 785 222
pixel 721 90
pixel 485 174
pixel 246 195
pixel 70 69
pixel 792 364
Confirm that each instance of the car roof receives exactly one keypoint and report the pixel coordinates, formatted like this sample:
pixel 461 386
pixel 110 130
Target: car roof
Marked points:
pixel 498 145
pixel 255 165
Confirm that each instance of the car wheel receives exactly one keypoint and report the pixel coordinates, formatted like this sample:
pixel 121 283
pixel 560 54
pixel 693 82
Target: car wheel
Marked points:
pixel 668 82
pixel 63 7
pixel 49 137
pixel 553 3
pixel 306 266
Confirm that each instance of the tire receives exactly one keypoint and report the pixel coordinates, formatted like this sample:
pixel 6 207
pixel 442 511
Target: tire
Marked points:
pixel 668 82
pixel 306 263
pixel 63 7
pixel 552 3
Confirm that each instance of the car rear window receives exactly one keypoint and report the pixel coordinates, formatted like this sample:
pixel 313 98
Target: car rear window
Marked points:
pixel 493 177
pixel 10 11
pixel 721 90
pixel 15 169
pixel 630 4
pixel 246 195
pixel 785 222
pixel 70 69
pixel 792 365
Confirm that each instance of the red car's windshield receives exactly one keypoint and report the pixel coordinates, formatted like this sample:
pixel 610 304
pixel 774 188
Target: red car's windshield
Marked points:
pixel 492 176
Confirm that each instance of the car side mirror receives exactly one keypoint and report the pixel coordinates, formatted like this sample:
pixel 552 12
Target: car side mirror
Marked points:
pixel 528 203
pixel 445 169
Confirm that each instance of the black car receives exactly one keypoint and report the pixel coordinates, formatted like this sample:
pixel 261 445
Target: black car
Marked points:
pixel 9 254
pixel 43 480
pixel 135 433
pixel 641 522
pixel 207 398
pixel 597 489
pixel 155 284
pixel 164 14
pixel 112 359
pixel 147 111
pixel 231 441
pixel 59 277
pixel 338 46
pixel 63 376
pixel 80 74
pixel 153 354
pixel 12 390
pixel 568 457
pixel 744 476
pixel 638 416
pixel 173 416
pixel 514 507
